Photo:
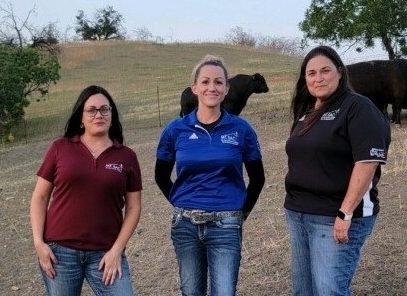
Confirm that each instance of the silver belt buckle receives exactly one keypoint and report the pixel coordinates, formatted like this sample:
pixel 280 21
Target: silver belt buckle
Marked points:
pixel 197 217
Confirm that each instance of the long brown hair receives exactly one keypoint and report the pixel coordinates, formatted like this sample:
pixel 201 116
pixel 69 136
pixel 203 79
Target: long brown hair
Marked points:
pixel 302 101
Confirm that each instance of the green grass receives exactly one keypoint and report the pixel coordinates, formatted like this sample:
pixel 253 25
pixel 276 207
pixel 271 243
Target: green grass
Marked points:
pixel 136 74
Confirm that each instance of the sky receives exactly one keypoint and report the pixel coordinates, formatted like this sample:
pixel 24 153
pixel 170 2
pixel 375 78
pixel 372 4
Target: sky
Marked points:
pixel 182 20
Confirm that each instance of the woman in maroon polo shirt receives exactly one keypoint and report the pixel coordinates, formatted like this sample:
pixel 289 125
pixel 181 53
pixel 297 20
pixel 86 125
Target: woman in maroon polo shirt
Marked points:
pixel 86 179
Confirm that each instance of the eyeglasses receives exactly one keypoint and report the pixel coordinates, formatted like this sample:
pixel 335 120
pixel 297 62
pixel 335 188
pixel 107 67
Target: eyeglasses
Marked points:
pixel 104 110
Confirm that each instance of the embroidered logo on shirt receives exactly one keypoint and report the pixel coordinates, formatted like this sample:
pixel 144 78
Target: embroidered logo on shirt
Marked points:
pixel 114 166
pixel 193 136
pixel 230 138
pixel 377 152
pixel 331 115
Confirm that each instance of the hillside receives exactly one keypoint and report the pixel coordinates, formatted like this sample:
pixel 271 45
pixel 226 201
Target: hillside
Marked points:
pixel 133 72
pixel 142 76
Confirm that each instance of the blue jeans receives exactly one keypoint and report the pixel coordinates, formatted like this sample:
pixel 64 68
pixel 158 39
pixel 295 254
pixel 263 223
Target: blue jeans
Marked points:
pixel 319 265
pixel 75 265
pixel 214 248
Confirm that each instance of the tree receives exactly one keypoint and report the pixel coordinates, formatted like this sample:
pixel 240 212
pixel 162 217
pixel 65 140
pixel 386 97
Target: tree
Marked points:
pixel 358 23
pixel 107 24
pixel 23 71
pixel 18 32
pixel 48 34
pixel 46 38
pixel 28 64
pixel 14 30
pixel 238 36
pixel 286 46
pixel 143 34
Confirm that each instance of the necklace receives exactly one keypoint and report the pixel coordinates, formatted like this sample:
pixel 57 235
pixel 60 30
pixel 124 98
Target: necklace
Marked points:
pixel 93 152
pixel 97 150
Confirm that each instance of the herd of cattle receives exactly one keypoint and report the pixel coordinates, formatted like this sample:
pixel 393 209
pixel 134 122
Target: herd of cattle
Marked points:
pixel 384 82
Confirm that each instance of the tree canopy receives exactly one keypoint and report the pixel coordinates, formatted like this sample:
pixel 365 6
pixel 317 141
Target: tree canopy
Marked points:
pixel 23 71
pixel 238 36
pixel 28 64
pixel 358 23
pixel 18 32
pixel 107 24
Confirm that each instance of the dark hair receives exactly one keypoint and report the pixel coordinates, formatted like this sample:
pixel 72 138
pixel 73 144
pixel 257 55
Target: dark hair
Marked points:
pixel 209 60
pixel 302 101
pixel 73 126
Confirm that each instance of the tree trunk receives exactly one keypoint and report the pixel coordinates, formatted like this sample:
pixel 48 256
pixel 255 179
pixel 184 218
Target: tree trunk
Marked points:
pixel 387 45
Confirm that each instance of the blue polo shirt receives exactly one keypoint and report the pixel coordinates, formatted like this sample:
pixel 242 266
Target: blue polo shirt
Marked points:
pixel 209 165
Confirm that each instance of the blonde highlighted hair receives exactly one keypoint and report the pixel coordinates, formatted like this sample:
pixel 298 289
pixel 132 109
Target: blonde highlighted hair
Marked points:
pixel 209 60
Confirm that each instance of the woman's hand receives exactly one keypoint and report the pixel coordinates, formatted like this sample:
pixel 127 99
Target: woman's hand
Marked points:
pixel 340 231
pixel 111 264
pixel 47 259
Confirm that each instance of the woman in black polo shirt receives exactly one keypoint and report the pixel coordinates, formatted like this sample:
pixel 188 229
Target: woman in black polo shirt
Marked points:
pixel 337 142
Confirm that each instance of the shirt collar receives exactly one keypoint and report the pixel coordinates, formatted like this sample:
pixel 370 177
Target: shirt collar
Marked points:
pixel 77 139
pixel 191 118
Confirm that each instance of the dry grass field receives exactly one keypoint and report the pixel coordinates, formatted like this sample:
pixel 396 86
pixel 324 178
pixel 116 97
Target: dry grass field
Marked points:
pixel 265 263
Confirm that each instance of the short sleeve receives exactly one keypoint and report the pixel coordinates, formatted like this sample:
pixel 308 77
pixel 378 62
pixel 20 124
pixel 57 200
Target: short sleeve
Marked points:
pixel 47 169
pixel 165 148
pixel 369 132
pixel 134 181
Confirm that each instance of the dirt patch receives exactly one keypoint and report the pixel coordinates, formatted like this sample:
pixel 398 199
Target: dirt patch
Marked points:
pixel 265 262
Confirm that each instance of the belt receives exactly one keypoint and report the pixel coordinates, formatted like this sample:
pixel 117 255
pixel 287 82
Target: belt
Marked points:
pixel 201 217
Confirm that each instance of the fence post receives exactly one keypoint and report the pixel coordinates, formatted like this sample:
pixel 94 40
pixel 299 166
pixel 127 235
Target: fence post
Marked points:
pixel 158 103
pixel 25 130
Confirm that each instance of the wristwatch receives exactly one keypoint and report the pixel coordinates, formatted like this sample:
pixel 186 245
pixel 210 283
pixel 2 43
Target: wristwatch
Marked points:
pixel 344 216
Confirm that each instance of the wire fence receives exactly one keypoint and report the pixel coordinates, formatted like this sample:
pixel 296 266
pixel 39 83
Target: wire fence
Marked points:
pixel 146 82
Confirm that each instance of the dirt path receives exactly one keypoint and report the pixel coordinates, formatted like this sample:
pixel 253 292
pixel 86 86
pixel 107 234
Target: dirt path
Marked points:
pixel 265 263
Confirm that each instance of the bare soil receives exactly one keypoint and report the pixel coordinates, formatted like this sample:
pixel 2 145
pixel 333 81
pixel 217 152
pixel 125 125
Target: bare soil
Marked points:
pixel 265 264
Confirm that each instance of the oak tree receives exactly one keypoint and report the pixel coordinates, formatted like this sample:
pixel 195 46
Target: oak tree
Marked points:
pixel 106 24
pixel 28 65
pixel 359 24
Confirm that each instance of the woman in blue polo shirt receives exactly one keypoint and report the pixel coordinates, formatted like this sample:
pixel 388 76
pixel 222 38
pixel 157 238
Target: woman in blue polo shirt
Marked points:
pixel 337 143
pixel 209 147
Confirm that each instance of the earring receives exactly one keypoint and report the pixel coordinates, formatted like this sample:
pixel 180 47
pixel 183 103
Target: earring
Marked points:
pixel 81 125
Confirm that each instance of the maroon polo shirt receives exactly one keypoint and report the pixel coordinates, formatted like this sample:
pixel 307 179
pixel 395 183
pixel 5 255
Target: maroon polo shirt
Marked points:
pixel 85 211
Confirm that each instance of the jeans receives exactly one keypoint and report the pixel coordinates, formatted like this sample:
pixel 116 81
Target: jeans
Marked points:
pixel 75 265
pixel 319 265
pixel 212 247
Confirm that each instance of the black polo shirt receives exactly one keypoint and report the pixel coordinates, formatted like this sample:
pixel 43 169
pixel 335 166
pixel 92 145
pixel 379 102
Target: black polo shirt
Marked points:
pixel 320 162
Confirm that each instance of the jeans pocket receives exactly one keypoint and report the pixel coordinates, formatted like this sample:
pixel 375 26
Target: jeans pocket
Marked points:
pixel 52 245
pixel 230 222
pixel 175 218
pixel 362 227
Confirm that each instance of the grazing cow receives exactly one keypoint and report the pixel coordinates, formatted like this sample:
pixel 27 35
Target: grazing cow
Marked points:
pixel 384 82
pixel 241 87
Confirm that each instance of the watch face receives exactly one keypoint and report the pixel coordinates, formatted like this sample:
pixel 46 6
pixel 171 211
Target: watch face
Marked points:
pixel 341 215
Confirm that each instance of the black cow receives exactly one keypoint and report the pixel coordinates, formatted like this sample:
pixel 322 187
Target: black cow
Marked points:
pixel 384 82
pixel 241 88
